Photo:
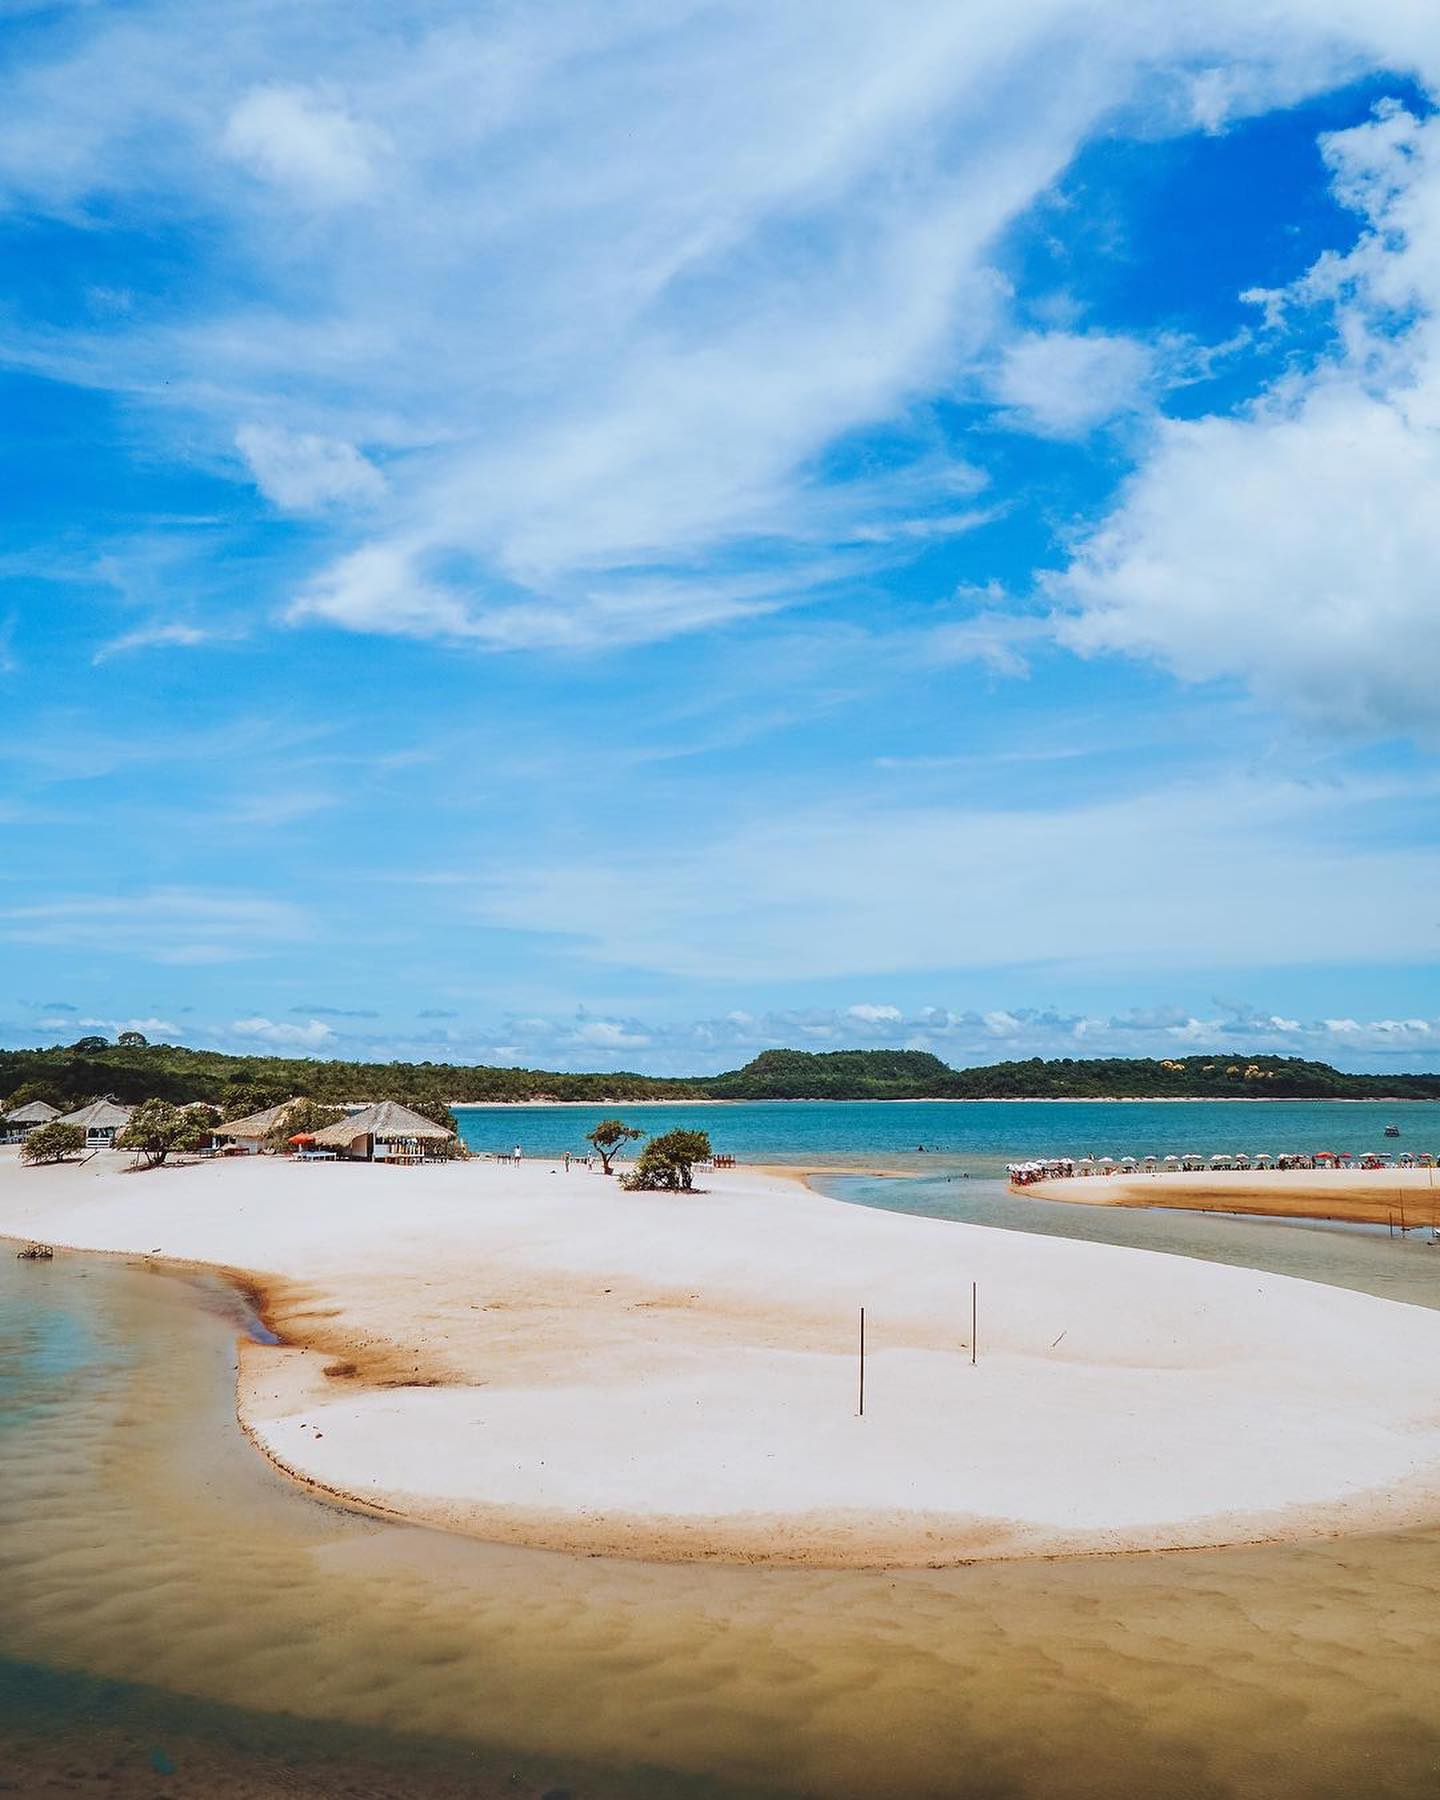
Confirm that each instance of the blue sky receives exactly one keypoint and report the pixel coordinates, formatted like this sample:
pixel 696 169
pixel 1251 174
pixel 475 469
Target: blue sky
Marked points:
pixel 617 540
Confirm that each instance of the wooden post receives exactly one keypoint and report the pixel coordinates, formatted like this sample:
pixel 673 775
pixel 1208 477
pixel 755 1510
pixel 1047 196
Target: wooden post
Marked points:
pixel 862 1362
pixel 974 1313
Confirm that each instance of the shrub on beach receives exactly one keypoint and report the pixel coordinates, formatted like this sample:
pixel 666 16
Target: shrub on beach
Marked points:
pixel 667 1162
pixel 52 1143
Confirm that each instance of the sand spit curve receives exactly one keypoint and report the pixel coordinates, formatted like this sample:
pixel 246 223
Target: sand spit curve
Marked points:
pixel 541 1358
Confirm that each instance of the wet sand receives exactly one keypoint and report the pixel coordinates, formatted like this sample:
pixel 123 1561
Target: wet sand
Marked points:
pixel 542 1359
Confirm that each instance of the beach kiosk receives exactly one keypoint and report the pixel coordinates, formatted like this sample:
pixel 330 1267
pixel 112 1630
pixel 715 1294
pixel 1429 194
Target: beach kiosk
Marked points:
pixel 99 1121
pixel 250 1136
pixel 387 1132
pixel 18 1125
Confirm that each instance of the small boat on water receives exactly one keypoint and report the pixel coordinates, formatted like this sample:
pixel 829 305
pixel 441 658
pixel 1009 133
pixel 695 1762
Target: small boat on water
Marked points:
pixel 1392 1131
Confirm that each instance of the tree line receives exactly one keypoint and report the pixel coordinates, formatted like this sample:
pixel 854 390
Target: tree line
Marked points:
pixel 132 1071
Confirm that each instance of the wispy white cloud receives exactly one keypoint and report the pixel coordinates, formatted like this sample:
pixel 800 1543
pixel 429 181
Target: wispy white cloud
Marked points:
pixel 1137 880
pixel 602 293
pixel 162 925
pixel 160 634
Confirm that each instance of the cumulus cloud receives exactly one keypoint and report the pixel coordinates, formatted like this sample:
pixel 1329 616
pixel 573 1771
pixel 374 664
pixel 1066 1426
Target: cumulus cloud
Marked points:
pixel 302 472
pixel 1064 384
pixel 1295 547
pixel 609 1034
pixel 149 1027
pixel 960 1036
pixel 309 1036
pixel 297 139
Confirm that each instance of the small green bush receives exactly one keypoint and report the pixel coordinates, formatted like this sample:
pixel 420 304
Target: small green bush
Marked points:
pixel 52 1143
pixel 667 1162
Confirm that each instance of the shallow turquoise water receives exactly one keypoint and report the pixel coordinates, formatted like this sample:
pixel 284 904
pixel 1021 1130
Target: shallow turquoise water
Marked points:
pixel 1364 1257
pixel 980 1134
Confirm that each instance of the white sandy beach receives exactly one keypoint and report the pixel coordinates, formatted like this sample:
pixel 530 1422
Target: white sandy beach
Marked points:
pixel 542 1358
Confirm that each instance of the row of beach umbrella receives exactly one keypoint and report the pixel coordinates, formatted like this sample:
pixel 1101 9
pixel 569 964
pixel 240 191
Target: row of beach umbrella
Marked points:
pixel 1193 1161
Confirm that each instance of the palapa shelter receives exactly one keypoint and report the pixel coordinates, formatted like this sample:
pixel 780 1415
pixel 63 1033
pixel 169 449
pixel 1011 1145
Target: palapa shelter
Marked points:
pixel 386 1132
pixel 251 1133
pixel 99 1121
pixel 22 1121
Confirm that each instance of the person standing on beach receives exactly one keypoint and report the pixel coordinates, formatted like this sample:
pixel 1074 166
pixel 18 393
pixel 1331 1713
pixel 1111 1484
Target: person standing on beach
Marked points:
pixel 517 1153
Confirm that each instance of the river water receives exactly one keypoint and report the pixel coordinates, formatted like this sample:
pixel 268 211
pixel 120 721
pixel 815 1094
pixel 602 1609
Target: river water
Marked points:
pixel 978 1135
pixel 175 1619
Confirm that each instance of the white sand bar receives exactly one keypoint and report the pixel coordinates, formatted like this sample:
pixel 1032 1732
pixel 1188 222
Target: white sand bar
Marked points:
pixel 1361 1196
pixel 543 1358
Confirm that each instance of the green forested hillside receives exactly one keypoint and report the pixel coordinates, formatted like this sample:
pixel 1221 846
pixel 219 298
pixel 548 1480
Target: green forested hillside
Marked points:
pixel 175 1073
pixel 243 1083
pixel 836 1075
pixel 1214 1077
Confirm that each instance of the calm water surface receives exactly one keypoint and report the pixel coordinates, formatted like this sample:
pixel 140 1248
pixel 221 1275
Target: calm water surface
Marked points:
pixel 175 1619
pixel 980 1134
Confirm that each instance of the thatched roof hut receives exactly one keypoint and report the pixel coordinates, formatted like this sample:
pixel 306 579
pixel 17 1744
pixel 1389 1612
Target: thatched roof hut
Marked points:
pixel 256 1125
pixel 36 1112
pixel 100 1121
pixel 386 1122
pixel 99 1115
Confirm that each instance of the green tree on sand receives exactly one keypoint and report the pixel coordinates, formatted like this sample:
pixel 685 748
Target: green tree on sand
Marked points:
pixel 157 1130
pixel 667 1162
pixel 52 1143
pixel 611 1136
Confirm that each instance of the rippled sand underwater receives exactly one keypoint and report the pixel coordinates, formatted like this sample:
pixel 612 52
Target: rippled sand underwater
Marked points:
pixel 143 1542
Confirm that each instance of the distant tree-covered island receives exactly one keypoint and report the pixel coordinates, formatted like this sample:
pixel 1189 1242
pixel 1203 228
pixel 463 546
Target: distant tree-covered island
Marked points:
pixel 134 1071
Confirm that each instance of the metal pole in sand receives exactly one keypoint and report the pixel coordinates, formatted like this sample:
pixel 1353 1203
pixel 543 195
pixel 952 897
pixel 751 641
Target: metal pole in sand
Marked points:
pixel 862 1362
pixel 974 1312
